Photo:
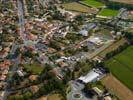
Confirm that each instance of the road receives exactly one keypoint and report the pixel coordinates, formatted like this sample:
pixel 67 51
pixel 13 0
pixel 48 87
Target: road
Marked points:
pixel 21 18
pixel 15 67
pixel 13 49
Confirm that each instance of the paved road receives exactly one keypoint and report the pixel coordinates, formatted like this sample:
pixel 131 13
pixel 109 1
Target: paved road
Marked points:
pixel 15 67
pixel 14 47
pixel 21 18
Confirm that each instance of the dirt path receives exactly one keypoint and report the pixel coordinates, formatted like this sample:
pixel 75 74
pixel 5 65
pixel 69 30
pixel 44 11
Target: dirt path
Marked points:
pixel 116 86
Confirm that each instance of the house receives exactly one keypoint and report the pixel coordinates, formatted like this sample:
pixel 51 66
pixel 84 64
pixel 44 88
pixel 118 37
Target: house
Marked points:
pixel 58 73
pixel 32 37
pixel 5 72
pixel 43 59
pixel 59 60
pixel 33 77
pixel 51 50
pixel 5 65
pixel 62 64
pixel 34 88
pixel 2 77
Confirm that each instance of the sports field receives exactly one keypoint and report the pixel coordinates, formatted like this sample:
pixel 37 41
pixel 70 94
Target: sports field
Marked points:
pixel 93 3
pixel 121 66
pixel 108 12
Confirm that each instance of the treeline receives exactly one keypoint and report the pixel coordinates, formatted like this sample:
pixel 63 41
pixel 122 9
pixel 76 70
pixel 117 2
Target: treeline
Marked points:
pixel 115 52
pixel 129 37
pixel 118 5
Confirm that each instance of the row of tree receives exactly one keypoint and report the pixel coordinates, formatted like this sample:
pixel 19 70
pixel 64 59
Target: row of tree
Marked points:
pixel 119 5
pixel 118 50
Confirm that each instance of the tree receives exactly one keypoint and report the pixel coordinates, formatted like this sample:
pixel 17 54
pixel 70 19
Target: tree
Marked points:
pixel 85 48
pixel 27 96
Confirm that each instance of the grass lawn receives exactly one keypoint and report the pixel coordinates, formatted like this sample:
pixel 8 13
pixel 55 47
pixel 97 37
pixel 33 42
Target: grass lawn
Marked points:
pixel 99 85
pixel 93 3
pixel 121 66
pixel 108 12
pixel 35 68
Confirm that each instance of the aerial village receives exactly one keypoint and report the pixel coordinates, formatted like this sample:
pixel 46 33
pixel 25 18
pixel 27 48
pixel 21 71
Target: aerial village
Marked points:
pixel 59 48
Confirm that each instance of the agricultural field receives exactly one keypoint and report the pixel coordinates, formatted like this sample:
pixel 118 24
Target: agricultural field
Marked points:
pixel 123 1
pixel 93 3
pixel 76 7
pixel 108 12
pixel 121 67
pixel 119 89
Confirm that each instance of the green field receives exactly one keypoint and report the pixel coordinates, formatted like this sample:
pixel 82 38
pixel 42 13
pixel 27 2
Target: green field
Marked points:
pixel 35 68
pixel 108 12
pixel 121 66
pixel 93 3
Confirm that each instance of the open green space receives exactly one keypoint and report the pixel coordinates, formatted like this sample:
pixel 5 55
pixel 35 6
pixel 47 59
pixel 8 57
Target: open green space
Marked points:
pixel 77 7
pixel 93 3
pixel 121 67
pixel 35 68
pixel 108 12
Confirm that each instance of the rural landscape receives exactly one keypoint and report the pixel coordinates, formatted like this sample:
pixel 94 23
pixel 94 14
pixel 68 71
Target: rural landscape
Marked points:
pixel 66 49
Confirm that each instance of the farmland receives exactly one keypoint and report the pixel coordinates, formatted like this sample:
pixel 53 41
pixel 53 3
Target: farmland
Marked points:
pixel 121 67
pixel 117 87
pixel 123 1
pixel 93 3
pixel 76 7
pixel 108 12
